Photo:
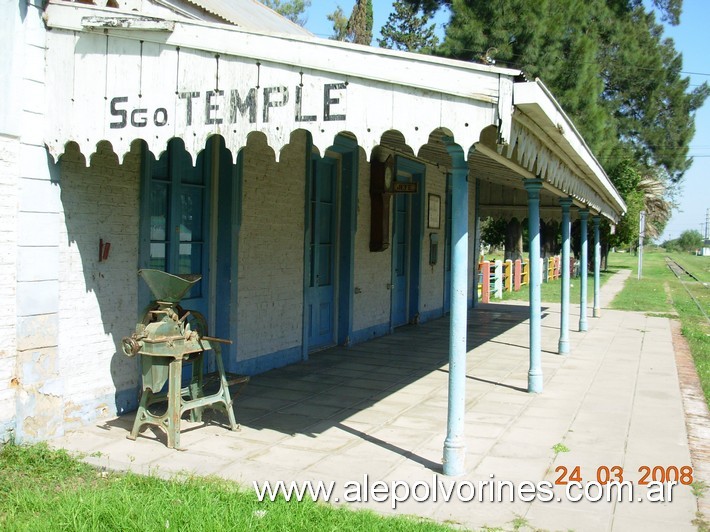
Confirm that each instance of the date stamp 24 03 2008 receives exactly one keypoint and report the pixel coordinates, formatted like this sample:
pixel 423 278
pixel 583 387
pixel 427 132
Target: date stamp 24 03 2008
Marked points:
pixel 605 474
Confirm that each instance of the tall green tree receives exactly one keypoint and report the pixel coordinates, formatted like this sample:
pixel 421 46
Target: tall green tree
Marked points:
pixel 291 9
pixel 360 22
pixel 409 29
pixel 606 62
pixel 358 27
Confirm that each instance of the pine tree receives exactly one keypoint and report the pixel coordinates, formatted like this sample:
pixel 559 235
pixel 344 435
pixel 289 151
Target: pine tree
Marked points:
pixel 360 22
pixel 407 29
pixel 357 28
pixel 605 61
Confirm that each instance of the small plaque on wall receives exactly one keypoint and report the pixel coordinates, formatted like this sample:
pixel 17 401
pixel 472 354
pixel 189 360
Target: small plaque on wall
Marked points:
pixel 405 188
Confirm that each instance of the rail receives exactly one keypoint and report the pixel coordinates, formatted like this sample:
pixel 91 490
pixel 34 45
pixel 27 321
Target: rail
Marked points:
pixel 680 272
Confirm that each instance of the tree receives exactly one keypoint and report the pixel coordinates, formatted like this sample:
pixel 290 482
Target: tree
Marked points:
pixel 605 61
pixel 407 29
pixel 612 71
pixel 658 208
pixel 357 28
pixel 360 22
pixel 670 9
pixel 690 240
pixel 291 9
pixel 340 24
pixel 627 178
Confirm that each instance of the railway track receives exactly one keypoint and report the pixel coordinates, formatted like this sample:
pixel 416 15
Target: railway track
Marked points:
pixel 687 279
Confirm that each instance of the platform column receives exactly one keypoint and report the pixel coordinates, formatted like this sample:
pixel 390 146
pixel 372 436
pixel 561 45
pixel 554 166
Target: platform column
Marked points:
pixel 454 446
pixel 597 265
pixel 583 215
pixel 533 187
pixel 563 346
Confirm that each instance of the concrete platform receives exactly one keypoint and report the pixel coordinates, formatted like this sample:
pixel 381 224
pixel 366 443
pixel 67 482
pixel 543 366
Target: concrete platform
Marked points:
pixel 377 411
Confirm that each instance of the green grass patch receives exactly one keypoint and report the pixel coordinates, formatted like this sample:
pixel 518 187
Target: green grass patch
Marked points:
pixel 551 291
pixel 698 265
pixel 660 292
pixel 43 489
pixel 560 448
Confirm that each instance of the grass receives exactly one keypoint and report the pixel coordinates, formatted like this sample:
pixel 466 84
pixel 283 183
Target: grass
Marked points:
pixel 700 266
pixel 43 489
pixel 551 292
pixel 560 448
pixel 659 292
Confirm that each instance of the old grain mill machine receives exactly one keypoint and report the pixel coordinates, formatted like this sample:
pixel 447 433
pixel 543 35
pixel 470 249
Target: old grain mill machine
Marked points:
pixel 168 338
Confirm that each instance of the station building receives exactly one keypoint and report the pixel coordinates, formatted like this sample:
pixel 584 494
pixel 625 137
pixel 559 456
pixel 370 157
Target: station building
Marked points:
pixel 327 192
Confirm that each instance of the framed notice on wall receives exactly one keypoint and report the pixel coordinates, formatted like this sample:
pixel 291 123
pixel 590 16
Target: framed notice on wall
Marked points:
pixel 434 210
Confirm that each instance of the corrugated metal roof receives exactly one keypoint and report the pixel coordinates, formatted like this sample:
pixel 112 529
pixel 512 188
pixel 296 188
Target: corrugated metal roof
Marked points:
pixel 251 15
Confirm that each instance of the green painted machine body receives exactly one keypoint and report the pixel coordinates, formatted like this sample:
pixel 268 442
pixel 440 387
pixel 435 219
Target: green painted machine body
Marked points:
pixel 167 338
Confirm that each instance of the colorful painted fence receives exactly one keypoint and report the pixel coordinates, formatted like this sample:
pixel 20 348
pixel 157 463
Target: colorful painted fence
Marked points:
pixel 496 276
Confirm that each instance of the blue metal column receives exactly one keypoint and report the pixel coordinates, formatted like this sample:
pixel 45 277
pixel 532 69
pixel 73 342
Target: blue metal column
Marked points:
pixel 533 187
pixel 476 241
pixel 597 265
pixel 583 215
pixel 454 446
pixel 563 346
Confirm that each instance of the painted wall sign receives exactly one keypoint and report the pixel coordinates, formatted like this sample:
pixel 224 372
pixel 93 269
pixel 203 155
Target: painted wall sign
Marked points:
pixel 215 107
pixel 405 188
pixel 116 89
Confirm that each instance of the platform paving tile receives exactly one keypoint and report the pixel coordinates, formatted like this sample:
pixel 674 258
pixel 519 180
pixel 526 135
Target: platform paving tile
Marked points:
pixel 330 439
pixel 650 524
pixel 296 458
pixel 558 516
pixel 378 409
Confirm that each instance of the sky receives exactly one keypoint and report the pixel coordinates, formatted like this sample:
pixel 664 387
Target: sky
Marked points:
pixel 690 38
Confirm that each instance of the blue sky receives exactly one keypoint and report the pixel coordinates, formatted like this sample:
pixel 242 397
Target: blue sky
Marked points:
pixel 691 39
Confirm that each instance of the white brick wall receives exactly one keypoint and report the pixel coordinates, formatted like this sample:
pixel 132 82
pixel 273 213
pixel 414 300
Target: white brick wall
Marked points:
pixel 270 309
pixel 371 306
pixel 39 389
pixel 9 154
pixel 373 270
pixel 97 300
pixel 432 280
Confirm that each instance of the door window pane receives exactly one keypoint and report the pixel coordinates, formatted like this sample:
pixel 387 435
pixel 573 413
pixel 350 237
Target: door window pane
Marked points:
pixel 325 253
pixel 190 261
pixel 325 231
pixel 158 211
pixel 157 256
pixel 191 214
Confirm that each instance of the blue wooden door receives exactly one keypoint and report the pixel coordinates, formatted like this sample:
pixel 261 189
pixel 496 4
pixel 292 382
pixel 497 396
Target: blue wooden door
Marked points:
pixel 321 283
pixel 400 260
pixel 177 208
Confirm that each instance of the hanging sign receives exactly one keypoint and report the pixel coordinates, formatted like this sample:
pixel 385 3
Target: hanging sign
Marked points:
pixel 405 188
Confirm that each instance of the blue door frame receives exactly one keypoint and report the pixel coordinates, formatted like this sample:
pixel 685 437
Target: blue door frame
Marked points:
pixel 320 296
pixel 173 192
pixel 345 159
pixel 175 218
pixel 407 234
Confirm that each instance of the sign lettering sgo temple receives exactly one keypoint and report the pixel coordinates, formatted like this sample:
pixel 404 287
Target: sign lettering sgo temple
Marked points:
pixel 210 107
